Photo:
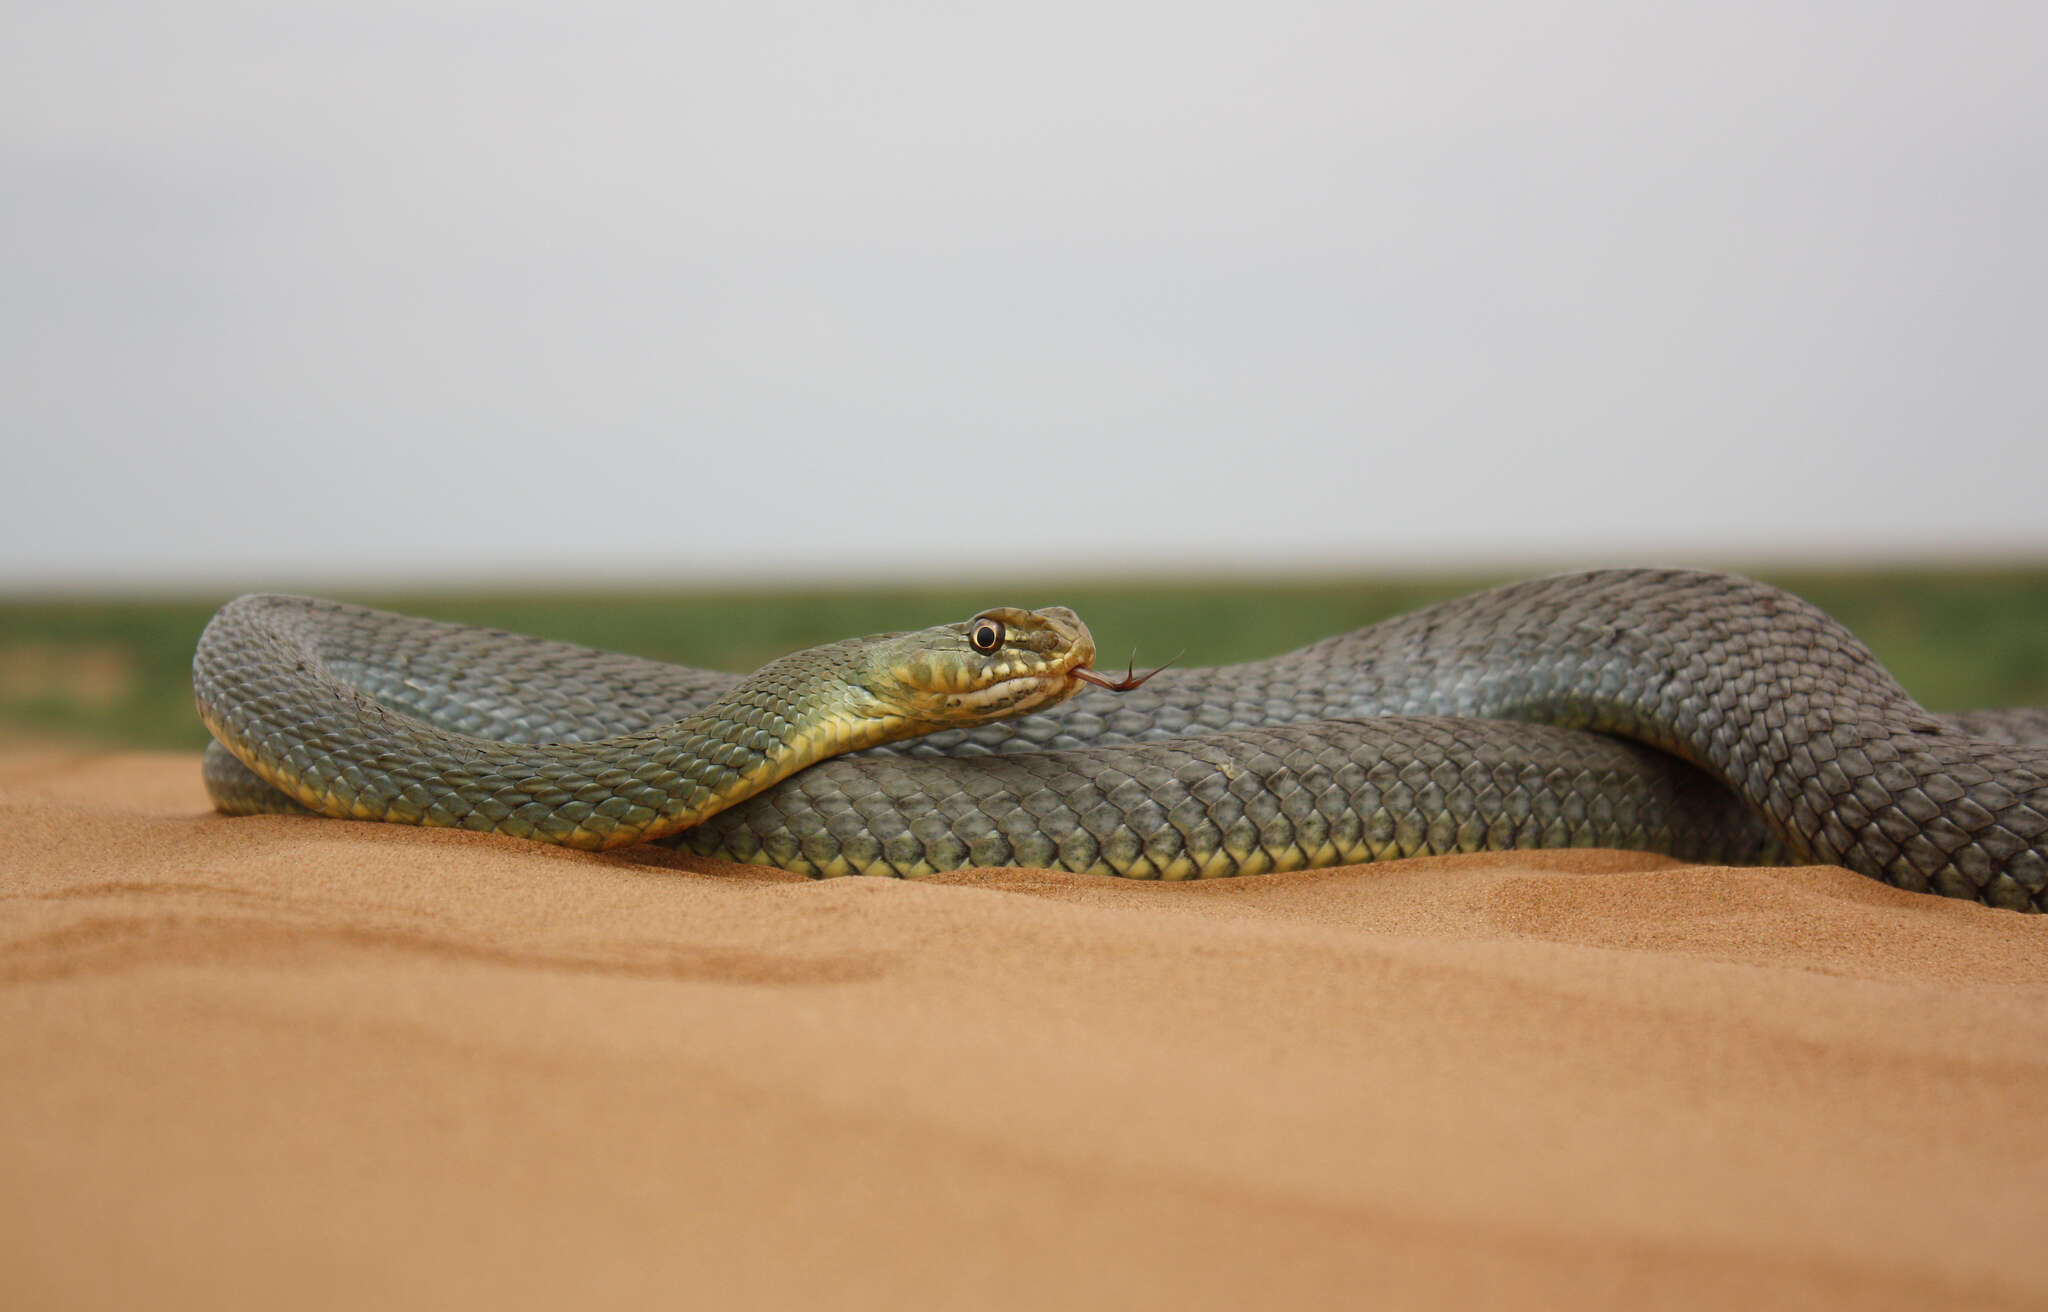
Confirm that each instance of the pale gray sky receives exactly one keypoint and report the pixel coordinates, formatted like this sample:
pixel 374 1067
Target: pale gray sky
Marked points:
pixel 299 292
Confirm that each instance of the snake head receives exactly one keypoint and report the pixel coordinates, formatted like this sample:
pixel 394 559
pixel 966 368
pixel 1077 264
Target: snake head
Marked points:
pixel 1002 662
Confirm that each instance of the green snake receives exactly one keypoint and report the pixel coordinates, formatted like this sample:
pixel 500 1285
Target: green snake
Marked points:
pixel 1703 715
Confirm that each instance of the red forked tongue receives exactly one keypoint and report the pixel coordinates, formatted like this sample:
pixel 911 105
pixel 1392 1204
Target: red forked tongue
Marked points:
pixel 1131 679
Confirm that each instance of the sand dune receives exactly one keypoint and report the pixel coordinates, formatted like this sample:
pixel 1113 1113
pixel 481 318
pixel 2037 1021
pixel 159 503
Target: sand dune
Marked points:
pixel 287 1062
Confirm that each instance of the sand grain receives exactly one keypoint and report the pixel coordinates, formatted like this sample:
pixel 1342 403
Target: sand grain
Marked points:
pixel 274 1061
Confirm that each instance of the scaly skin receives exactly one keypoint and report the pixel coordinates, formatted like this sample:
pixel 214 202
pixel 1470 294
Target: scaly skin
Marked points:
pixel 1800 745
pixel 269 680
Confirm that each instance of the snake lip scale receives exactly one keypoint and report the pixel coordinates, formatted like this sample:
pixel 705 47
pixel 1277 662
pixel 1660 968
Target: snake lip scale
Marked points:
pixel 1704 715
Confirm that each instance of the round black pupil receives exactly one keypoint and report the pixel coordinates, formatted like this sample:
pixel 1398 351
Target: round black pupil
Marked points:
pixel 986 636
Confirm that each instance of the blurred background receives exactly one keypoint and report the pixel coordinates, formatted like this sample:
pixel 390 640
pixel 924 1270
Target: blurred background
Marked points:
pixel 708 331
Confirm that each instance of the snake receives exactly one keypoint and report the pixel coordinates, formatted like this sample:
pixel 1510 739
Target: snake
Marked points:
pixel 1703 715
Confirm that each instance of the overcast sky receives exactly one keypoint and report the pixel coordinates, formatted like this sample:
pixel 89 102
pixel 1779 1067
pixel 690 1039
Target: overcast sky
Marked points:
pixel 301 292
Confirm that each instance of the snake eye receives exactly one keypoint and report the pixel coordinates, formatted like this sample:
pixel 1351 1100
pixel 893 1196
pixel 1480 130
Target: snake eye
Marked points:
pixel 985 635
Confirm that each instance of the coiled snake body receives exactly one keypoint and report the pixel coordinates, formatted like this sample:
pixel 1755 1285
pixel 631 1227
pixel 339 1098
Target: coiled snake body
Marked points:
pixel 1703 715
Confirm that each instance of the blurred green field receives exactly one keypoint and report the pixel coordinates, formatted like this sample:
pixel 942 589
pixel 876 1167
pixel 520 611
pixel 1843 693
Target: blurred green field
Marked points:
pixel 115 673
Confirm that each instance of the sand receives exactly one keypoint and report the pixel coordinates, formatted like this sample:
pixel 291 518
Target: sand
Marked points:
pixel 287 1062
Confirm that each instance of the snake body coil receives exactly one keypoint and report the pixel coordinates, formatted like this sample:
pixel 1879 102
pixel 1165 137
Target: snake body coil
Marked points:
pixel 1761 730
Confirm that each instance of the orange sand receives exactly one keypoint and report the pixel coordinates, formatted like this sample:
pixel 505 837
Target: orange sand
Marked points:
pixel 294 1063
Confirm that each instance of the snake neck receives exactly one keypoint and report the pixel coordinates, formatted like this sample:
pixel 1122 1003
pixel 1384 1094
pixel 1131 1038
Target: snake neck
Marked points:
pixel 302 725
pixel 750 740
